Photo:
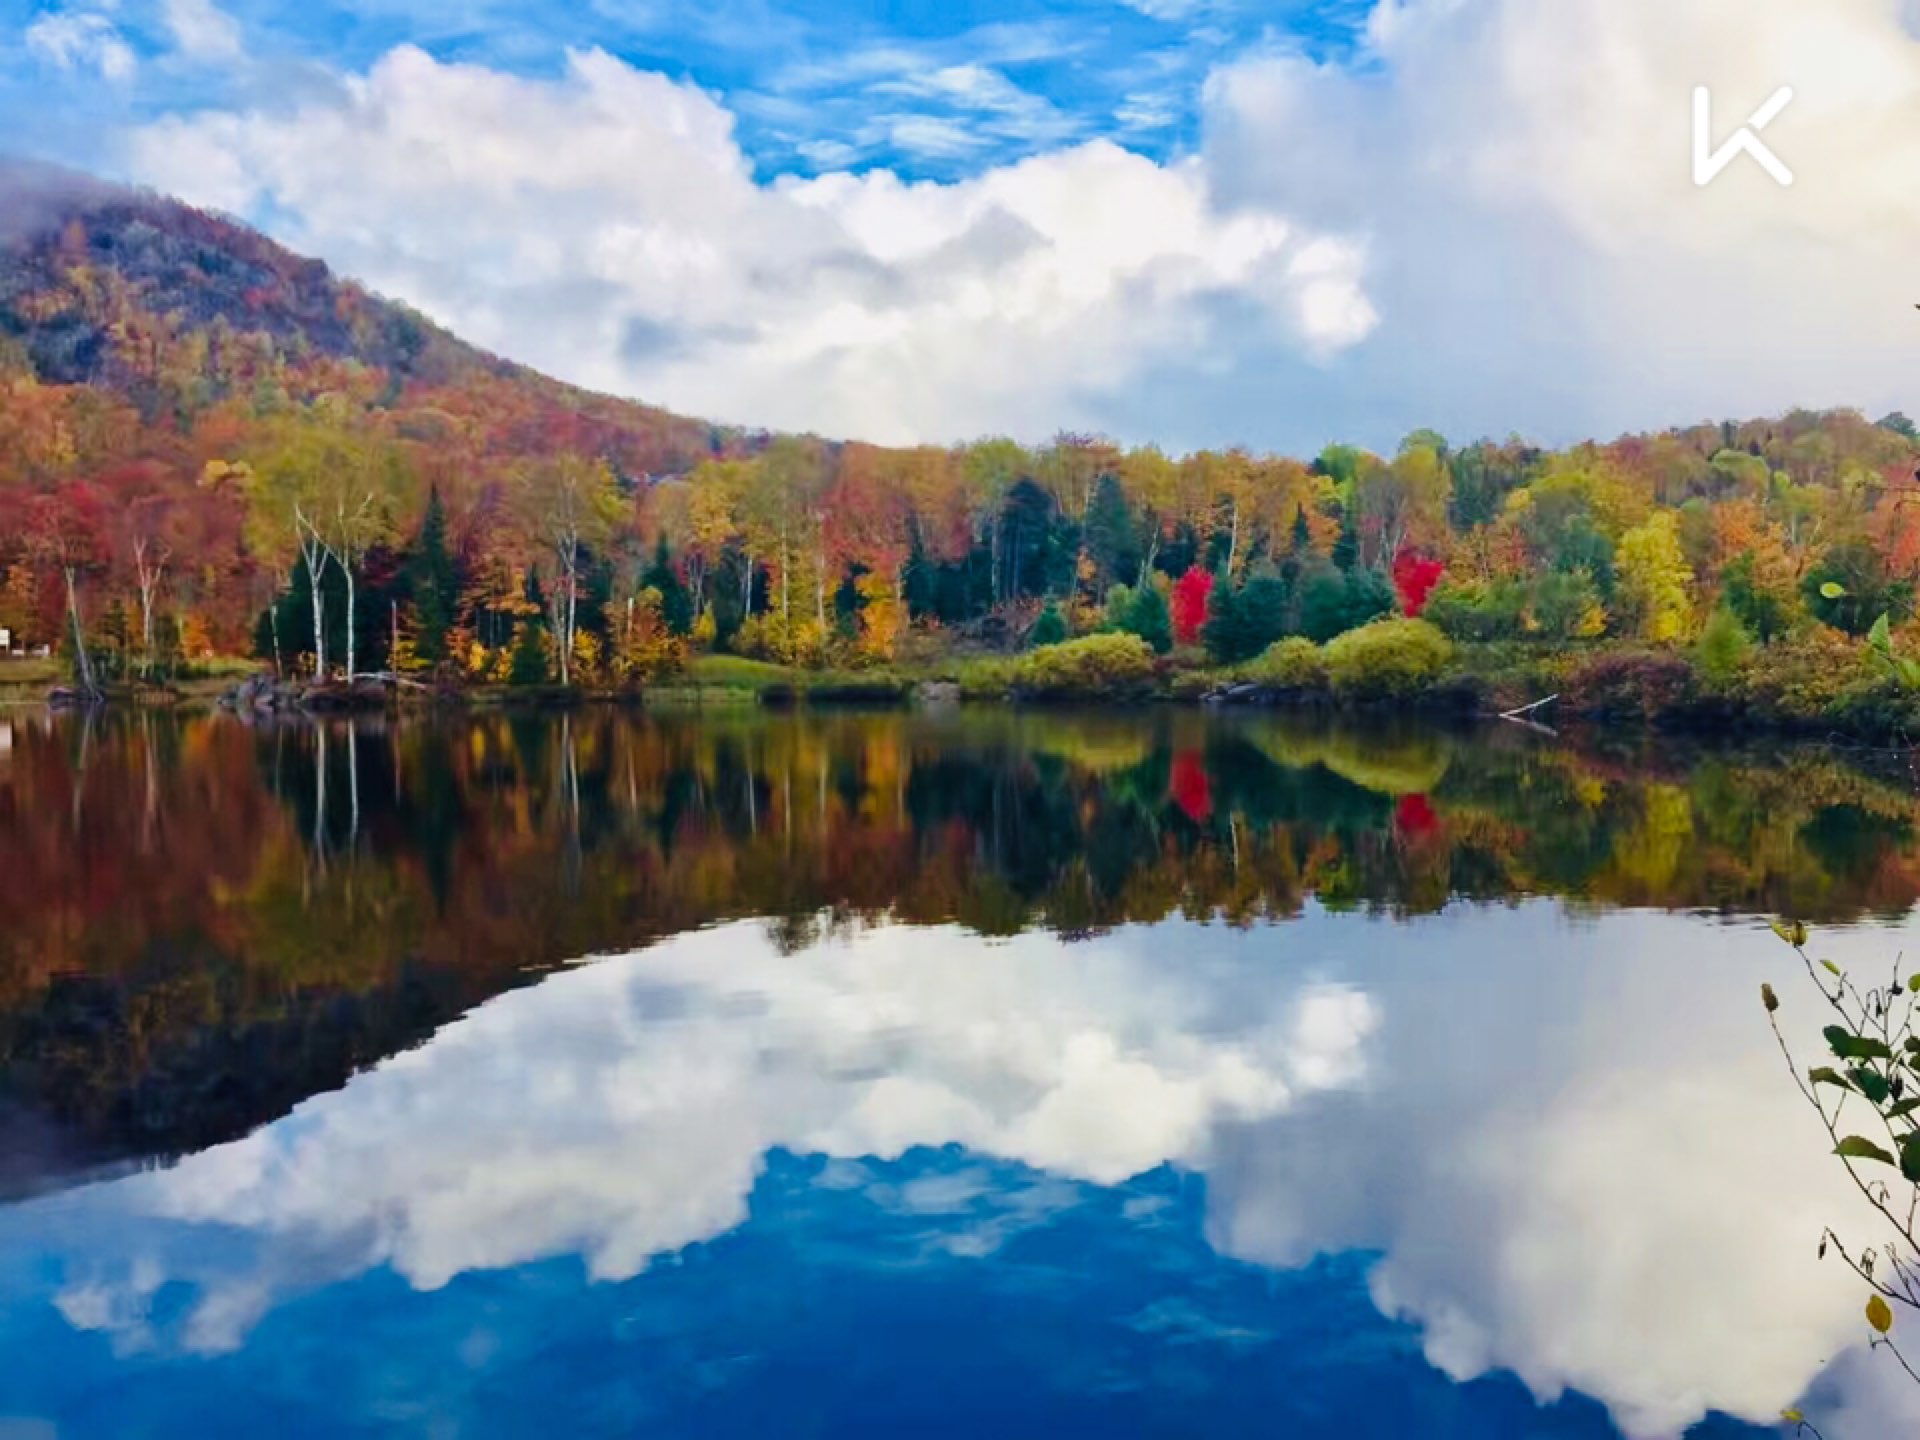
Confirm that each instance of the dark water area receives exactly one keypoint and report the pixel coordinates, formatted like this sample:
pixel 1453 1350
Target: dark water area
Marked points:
pixel 1150 1073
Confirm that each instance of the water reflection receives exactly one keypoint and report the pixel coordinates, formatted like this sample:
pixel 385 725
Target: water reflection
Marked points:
pixel 1569 1154
pixel 208 921
pixel 1293 1174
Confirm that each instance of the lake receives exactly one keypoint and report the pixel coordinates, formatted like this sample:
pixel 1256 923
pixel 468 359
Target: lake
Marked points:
pixel 823 1074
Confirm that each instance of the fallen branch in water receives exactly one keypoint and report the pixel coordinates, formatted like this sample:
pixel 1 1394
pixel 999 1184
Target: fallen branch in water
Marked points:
pixel 1519 717
pixel 1526 710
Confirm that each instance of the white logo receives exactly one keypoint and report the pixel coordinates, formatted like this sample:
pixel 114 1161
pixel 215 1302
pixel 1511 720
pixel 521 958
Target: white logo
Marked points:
pixel 1708 163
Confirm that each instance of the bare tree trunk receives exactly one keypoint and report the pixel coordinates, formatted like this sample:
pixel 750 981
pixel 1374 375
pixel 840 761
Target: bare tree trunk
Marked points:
pixel 148 579
pixel 79 637
pixel 993 549
pixel 346 568
pixel 316 558
pixel 273 624
pixel 573 608
pixel 820 591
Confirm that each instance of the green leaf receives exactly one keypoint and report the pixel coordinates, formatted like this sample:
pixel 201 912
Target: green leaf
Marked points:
pixel 1794 932
pixel 1879 1315
pixel 1913 983
pixel 1871 1083
pixel 1910 1158
pixel 1878 637
pixel 1833 590
pixel 1855 1047
pixel 1858 1147
pixel 1830 967
pixel 1827 1075
pixel 1905 1107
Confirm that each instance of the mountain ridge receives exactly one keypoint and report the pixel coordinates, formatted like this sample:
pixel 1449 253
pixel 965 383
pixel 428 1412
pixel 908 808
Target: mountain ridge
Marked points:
pixel 143 295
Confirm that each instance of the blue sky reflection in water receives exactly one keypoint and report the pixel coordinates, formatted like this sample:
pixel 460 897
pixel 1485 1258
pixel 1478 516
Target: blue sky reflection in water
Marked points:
pixel 1296 1180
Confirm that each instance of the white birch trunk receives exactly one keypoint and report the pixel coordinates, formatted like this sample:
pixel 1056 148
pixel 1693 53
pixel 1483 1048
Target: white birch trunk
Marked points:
pixel 79 636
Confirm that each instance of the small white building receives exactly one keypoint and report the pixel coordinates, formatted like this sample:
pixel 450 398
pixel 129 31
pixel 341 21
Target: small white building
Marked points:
pixel 6 641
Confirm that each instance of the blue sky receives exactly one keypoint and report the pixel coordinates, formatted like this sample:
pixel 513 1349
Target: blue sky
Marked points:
pixel 926 89
pixel 1197 222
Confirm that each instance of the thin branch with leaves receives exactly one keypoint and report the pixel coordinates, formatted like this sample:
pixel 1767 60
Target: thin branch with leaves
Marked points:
pixel 1868 1101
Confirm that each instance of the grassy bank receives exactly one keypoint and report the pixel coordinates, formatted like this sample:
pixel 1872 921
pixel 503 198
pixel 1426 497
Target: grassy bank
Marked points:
pixel 26 682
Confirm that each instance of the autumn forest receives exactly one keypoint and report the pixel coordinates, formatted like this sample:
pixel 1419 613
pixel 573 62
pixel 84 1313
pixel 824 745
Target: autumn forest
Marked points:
pixel 210 448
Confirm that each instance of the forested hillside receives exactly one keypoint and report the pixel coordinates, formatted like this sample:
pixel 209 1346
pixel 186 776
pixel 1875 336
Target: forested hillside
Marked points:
pixel 210 446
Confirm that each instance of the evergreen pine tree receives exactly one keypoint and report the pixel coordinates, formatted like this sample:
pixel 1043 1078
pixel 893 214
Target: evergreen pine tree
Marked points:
pixel 1050 628
pixel 435 584
pixel 1222 633
pixel 529 664
pixel 676 601
pixel 1148 617
pixel 1346 550
pixel 1113 543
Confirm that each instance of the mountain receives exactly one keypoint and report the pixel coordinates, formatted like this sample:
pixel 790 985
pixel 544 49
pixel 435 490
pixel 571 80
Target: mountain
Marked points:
pixel 178 311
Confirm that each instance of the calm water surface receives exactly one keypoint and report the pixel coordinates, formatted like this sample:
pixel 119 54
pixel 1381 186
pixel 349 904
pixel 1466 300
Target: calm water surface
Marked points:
pixel 825 1075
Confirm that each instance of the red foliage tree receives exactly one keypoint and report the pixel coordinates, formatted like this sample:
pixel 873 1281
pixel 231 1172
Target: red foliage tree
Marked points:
pixel 1190 593
pixel 66 534
pixel 1414 576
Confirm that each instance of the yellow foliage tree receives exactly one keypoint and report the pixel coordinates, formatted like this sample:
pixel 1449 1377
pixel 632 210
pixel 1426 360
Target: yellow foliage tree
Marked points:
pixel 647 648
pixel 1652 579
pixel 882 617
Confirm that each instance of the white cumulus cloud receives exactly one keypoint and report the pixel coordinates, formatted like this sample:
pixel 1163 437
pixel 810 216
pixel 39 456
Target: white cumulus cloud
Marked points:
pixel 606 226
pixel 1483 220
pixel 82 40
pixel 202 30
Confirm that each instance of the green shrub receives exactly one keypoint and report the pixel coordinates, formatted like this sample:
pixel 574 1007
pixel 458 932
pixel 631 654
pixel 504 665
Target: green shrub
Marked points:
pixel 984 678
pixel 1851 587
pixel 1049 629
pixel 1811 676
pixel 1291 664
pixel 1243 621
pixel 1478 610
pixel 1722 651
pixel 1141 612
pixel 1566 606
pixel 1877 705
pixel 1387 659
pixel 1094 666
pixel 529 665
pixel 1333 603
pixel 1512 673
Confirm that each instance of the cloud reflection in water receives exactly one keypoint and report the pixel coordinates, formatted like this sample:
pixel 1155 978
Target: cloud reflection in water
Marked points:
pixel 1569 1141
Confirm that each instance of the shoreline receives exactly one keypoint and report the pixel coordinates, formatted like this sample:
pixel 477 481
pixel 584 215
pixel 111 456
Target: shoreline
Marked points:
pixel 1453 699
